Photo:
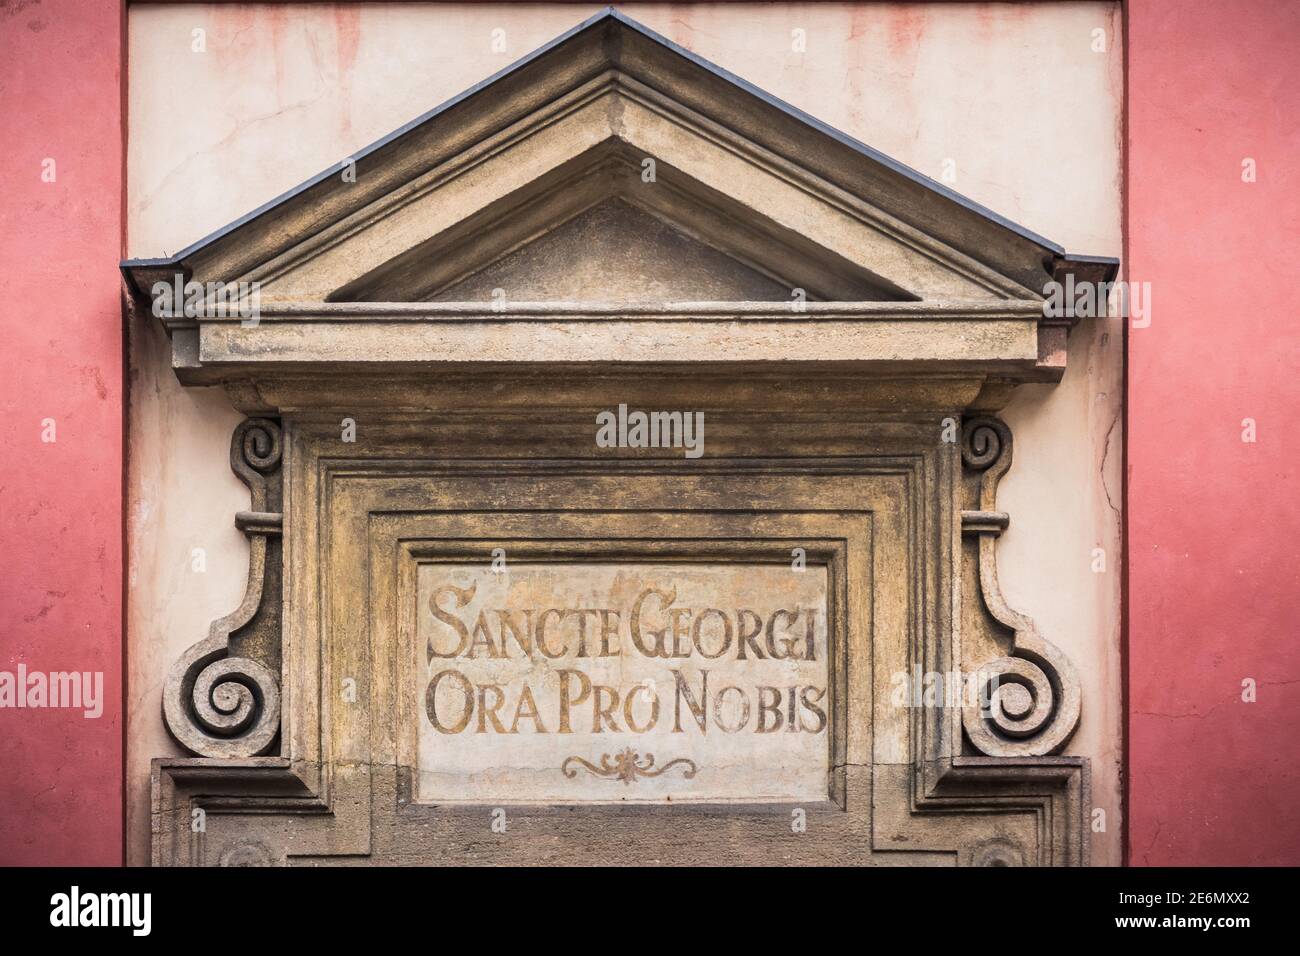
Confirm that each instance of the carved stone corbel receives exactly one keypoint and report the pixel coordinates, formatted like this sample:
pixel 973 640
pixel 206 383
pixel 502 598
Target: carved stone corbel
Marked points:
pixel 1028 701
pixel 222 696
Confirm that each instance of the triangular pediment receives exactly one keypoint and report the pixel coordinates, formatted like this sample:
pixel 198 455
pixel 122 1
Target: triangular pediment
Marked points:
pixel 618 252
pixel 612 165
pixel 613 224
pixel 613 199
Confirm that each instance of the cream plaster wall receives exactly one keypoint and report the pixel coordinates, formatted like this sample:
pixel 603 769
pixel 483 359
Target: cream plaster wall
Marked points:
pixel 1013 94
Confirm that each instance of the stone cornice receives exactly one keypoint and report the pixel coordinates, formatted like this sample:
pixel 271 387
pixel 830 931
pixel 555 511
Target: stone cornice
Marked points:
pixel 1005 341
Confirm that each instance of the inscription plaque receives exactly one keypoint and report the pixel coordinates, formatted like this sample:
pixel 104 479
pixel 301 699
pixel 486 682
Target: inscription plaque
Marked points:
pixel 579 682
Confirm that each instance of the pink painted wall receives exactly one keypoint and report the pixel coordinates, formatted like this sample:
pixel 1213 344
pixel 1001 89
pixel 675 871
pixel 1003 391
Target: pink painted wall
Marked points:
pixel 61 530
pixel 1214 522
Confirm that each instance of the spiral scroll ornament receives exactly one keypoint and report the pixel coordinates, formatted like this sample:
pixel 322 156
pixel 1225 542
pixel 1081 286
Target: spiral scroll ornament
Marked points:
pixel 259 442
pixel 1027 703
pixel 983 441
pixel 217 703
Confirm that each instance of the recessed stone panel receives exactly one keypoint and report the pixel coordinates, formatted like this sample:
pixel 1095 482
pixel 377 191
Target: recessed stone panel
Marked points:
pixel 585 682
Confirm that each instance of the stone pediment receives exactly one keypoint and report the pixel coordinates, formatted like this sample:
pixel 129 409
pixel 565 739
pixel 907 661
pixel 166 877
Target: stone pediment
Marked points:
pixel 609 237
pixel 613 198
pixel 614 250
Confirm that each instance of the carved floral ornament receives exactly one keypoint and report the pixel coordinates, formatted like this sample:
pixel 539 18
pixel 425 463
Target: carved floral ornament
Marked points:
pixel 377 307
pixel 626 766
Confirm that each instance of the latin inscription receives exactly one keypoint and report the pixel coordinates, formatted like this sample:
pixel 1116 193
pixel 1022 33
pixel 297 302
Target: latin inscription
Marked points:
pixel 580 682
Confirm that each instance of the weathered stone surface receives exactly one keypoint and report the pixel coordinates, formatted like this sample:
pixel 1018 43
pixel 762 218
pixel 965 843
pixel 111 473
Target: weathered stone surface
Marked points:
pixel 642 683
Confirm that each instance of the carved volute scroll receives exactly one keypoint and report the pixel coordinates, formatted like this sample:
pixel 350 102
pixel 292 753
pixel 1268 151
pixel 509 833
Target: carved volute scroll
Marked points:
pixel 1029 699
pixel 222 696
